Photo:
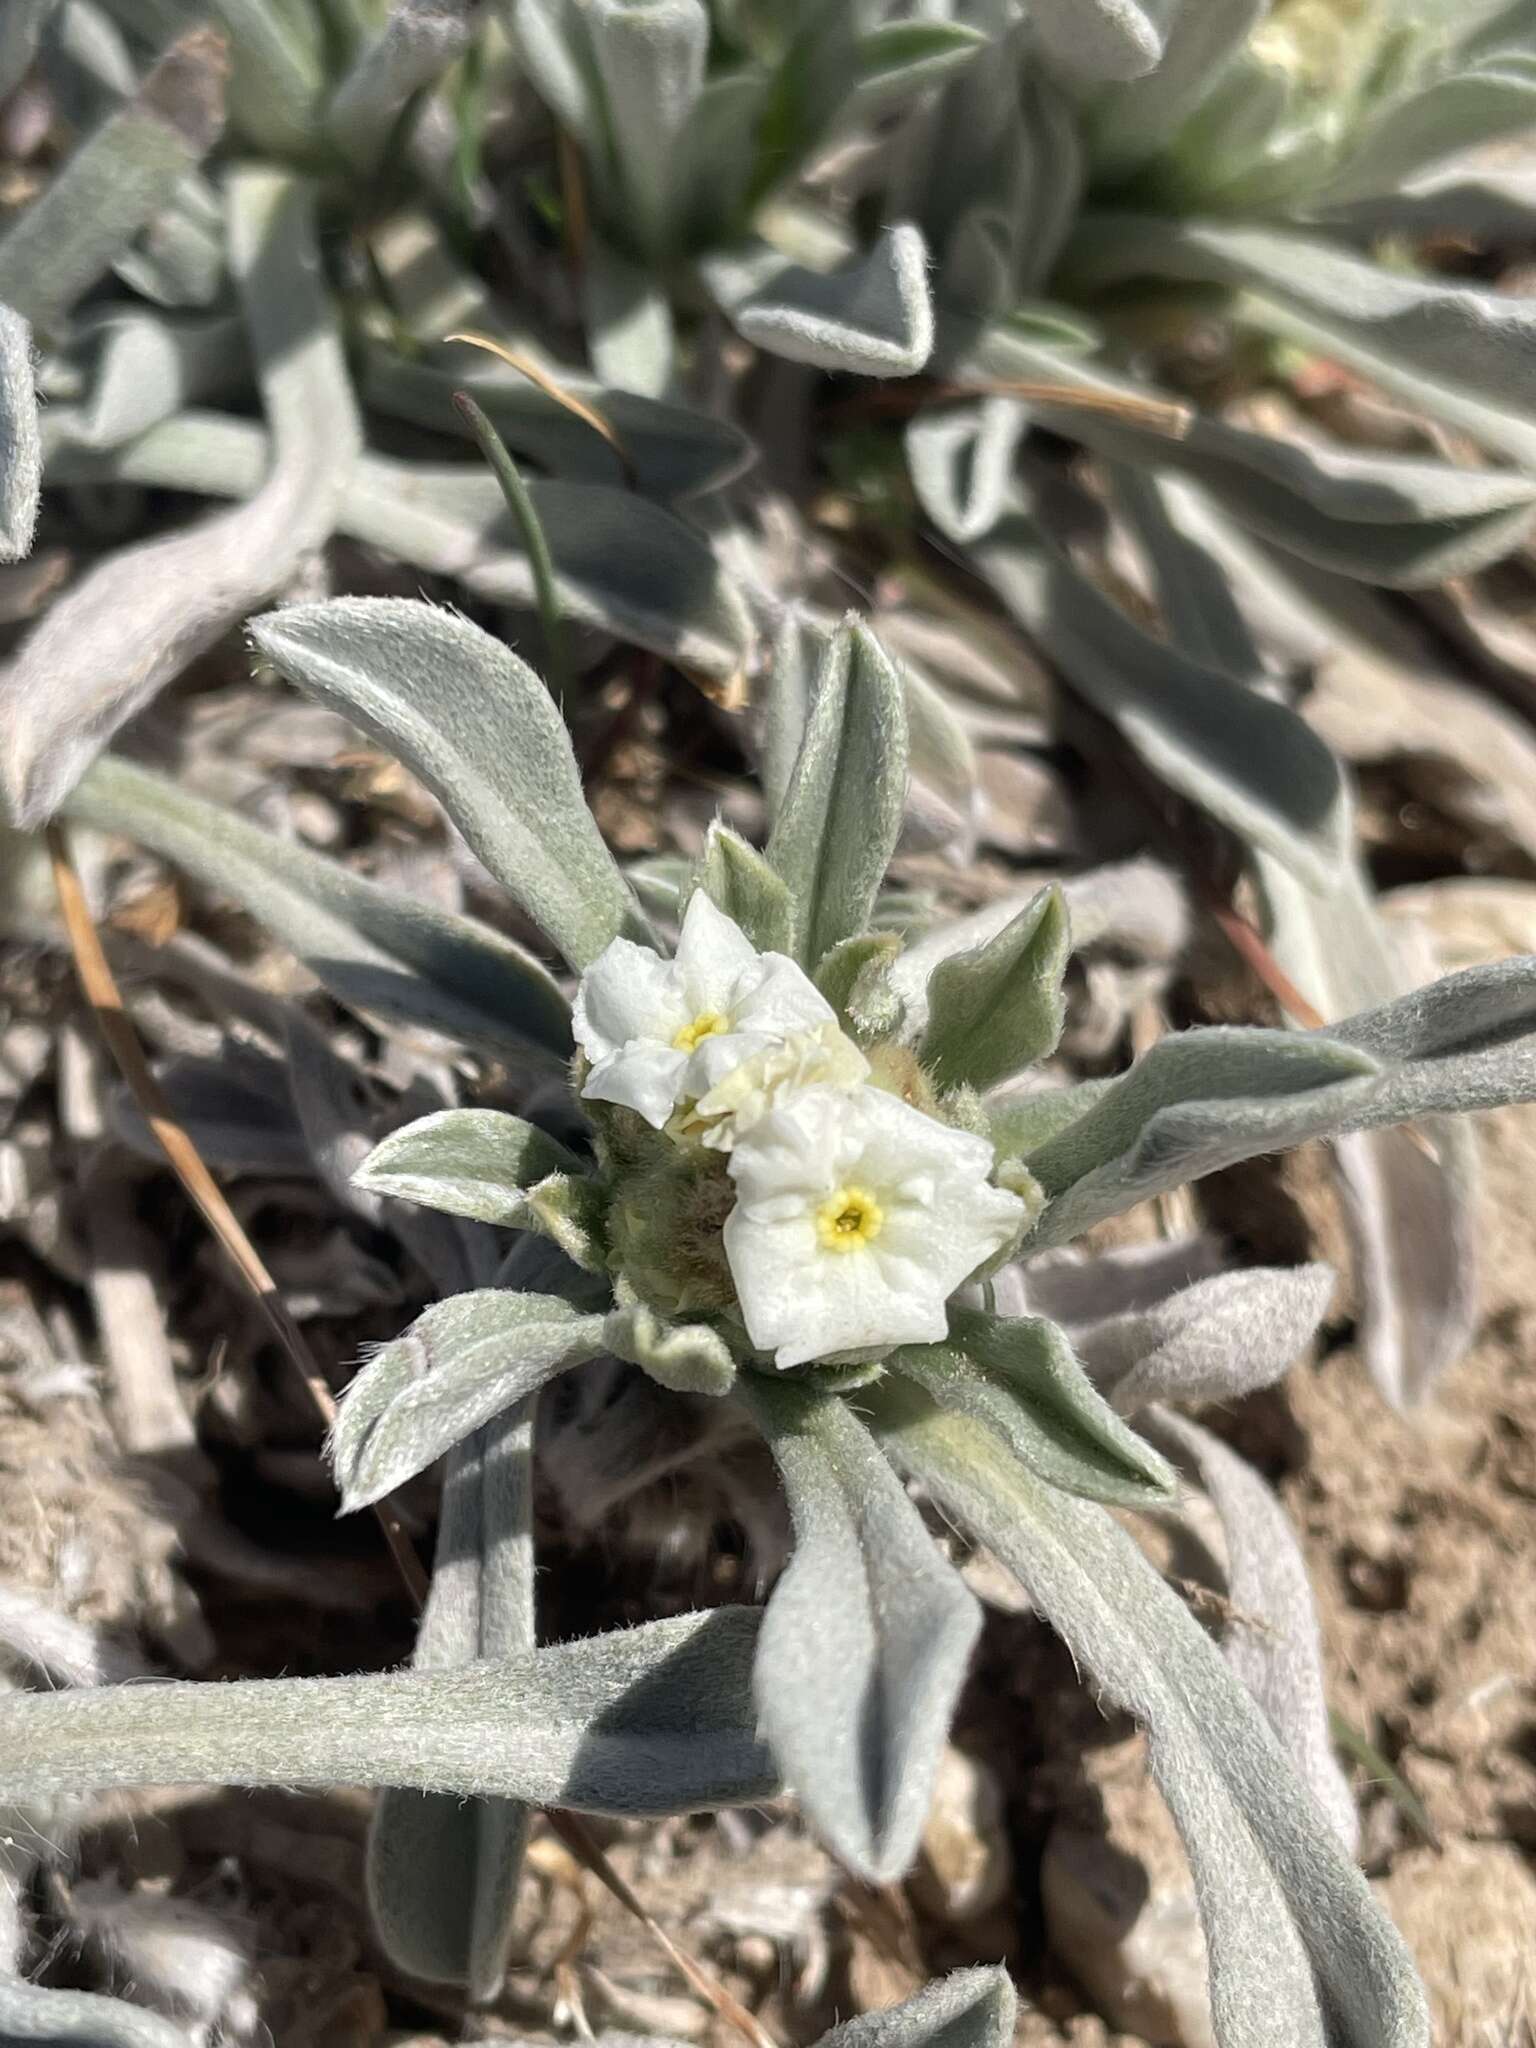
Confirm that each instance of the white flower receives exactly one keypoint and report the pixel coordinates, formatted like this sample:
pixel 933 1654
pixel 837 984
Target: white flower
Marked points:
pixel 747 1089
pixel 856 1218
pixel 661 1033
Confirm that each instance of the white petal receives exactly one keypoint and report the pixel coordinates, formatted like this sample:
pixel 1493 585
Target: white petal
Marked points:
pixel 783 999
pixel 647 1078
pixel 738 1092
pixel 628 992
pixel 713 953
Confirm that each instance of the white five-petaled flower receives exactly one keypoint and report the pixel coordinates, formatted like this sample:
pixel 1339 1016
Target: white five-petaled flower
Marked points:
pixel 856 1218
pixel 661 1034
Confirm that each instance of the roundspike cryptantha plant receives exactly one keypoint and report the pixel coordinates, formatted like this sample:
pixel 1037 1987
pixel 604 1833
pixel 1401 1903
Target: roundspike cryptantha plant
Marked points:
pixel 806 1195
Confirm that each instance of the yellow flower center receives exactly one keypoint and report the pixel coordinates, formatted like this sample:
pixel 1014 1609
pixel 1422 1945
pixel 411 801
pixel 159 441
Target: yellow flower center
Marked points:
pixel 705 1025
pixel 848 1218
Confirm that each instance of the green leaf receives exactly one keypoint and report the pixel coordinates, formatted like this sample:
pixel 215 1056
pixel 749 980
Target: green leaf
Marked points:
pixel 20 450
pixel 1020 1377
pixel 117 179
pixel 1097 41
pixel 81 2019
pixel 873 318
pixel 481 731
pixel 738 880
pixel 855 979
pixel 687 1358
pixel 143 613
pixel 897 60
pixel 1000 1008
pixel 1201 1100
pixel 644 1721
pixel 1451 115
pixel 866 1639
pixel 1292 1929
pixel 1247 760
pixel 648 56
pixel 1130 122
pixel 442 1872
pixel 380 952
pixel 479 1163
pixel 1019 1123
pixel 837 829
pixel 967 2009
pixel 460 1363
pixel 417 43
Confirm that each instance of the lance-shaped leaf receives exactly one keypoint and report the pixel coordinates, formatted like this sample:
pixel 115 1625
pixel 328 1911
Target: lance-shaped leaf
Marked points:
pixel 117 179
pixel 872 319
pixel 481 731
pixel 1201 1100
pixel 1101 40
pixel 1019 1376
pixel 461 1362
pixel 674 453
pixel 1000 1007
pixel 841 815
pixel 1292 1930
pixel 1463 354
pixel 20 449
pixel 469 1162
pixel 140 368
pixel 897 60
pixel 1459 112
pixel 1252 763
pixel 442 1872
pixel 649 58
pixel 644 1721
pixel 738 880
pixel 376 950
pixel 1131 121
pixel 144 613
pixel 1213 1341
pixel 967 2009
pixel 81 2019
pixel 621 564
pixel 866 1638
pixel 1271 1641
pixel 416 45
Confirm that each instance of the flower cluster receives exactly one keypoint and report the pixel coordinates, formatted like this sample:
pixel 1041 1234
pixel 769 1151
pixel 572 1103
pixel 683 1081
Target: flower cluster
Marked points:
pixel 855 1215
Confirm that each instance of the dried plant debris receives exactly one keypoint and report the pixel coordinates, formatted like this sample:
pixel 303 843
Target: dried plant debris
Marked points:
pixel 758 1116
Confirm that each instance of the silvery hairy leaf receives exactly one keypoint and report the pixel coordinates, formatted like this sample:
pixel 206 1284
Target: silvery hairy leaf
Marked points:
pixel 141 367
pixel 234 1107
pixel 799 649
pixel 628 319
pixel 550 36
pixel 82 2019
pixel 1462 354
pixel 442 1872
pixel 1215 1340
pixel 837 827
pixel 1292 1930
pixel 648 60
pixel 470 1162
pixel 1271 1641
pixel 738 880
pixel 644 1721
pixel 1201 1100
pixel 1097 41
pixel 116 180
pixel 686 1358
pixel 1248 761
pixel 138 617
pixel 999 1008
pixel 20 450
pixel 621 563
pixel 873 319
pixel 481 730
pixel 1448 116
pixel 376 950
pixel 416 44
pixel 1131 121
pixel 967 2009
pixel 961 461
pixel 673 452
pixel 277 74
pixel 1394 519
pixel 866 1637
pixel 896 60
pixel 1496 205
pixel 459 1364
